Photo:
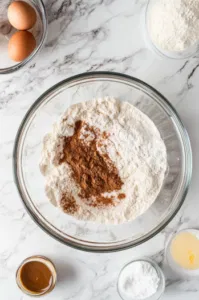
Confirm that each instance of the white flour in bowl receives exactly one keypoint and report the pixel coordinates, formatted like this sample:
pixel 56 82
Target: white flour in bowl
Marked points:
pixel 174 24
pixel 128 144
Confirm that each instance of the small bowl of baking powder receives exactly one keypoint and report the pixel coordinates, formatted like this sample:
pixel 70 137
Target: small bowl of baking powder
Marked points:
pixel 172 28
pixel 141 279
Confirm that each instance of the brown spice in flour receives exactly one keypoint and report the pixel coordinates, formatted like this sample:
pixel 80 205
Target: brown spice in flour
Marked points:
pixel 93 171
pixel 68 204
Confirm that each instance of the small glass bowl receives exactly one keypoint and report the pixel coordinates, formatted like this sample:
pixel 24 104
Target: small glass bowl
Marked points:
pixel 182 272
pixel 50 266
pixel 189 52
pixel 6 31
pixel 161 287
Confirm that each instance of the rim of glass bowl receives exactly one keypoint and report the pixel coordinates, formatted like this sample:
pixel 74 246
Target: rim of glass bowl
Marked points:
pixel 20 65
pixel 176 55
pixel 18 146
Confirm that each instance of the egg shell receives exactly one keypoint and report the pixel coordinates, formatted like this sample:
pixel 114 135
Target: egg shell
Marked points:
pixel 21 15
pixel 21 45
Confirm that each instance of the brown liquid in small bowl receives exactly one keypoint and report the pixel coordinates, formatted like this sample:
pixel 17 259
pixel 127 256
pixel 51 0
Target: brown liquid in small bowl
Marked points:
pixel 36 276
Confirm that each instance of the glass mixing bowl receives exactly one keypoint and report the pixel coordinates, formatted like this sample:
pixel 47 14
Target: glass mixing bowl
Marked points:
pixel 30 182
pixel 6 31
pixel 125 272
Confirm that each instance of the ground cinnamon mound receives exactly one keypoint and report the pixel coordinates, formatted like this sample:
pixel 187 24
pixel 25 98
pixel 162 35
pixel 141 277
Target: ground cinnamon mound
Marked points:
pixel 93 171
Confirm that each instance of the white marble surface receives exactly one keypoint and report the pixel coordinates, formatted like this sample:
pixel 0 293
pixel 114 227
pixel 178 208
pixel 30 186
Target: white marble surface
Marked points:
pixel 87 35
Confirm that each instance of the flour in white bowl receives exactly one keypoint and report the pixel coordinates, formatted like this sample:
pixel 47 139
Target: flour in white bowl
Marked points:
pixel 134 146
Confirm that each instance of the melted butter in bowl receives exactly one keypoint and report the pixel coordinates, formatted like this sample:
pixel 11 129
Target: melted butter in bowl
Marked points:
pixel 182 253
pixel 36 276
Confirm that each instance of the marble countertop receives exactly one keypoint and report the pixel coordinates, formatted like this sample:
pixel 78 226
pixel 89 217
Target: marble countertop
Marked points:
pixel 86 36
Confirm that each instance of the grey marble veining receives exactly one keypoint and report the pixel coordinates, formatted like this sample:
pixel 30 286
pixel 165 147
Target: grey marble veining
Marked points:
pixel 86 36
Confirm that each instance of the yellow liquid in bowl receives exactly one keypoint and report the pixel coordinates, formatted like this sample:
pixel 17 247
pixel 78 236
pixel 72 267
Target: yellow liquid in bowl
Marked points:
pixel 185 250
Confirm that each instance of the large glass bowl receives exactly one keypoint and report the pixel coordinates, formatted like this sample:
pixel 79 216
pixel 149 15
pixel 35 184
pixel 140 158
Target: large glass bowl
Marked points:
pixel 39 31
pixel 30 183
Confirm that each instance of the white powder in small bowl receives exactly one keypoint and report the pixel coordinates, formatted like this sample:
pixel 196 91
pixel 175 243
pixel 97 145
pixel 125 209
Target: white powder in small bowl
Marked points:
pixel 173 25
pixel 138 280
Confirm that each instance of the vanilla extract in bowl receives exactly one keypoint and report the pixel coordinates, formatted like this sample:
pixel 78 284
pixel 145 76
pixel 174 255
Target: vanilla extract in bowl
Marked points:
pixel 36 276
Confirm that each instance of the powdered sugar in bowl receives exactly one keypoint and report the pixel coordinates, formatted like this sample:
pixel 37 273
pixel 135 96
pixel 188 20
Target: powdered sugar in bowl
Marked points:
pixel 88 235
pixel 141 279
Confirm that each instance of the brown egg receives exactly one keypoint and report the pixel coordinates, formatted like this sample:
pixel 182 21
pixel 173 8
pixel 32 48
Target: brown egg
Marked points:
pixel 21 15
pixel 21 44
